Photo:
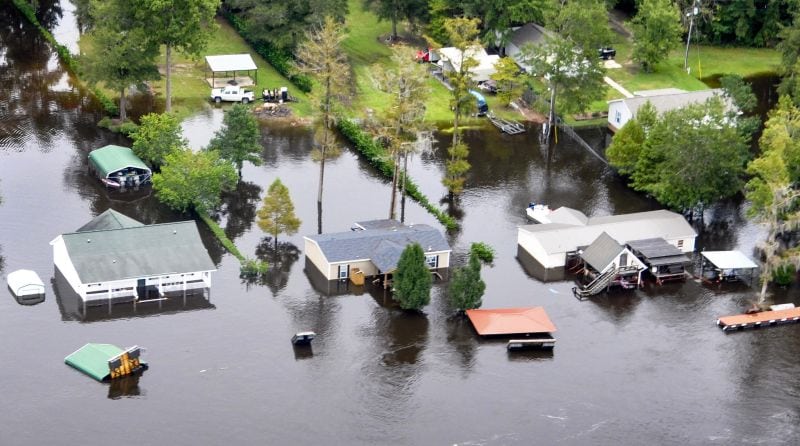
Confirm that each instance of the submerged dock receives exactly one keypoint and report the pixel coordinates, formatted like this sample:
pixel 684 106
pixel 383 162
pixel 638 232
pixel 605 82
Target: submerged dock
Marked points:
pixel 506 125
pixel 759 319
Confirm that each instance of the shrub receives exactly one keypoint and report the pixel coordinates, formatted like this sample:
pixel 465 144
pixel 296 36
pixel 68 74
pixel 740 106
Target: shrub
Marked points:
pixel 253 268
pixel 784 275
pixel 127 128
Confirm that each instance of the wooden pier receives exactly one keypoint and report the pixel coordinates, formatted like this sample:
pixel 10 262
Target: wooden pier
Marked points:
pixel 759 319
pixel 506 125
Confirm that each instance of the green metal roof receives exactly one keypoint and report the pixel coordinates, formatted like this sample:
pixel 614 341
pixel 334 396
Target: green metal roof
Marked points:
pixel 92 359
pixel 109 159
pixel 110 219
pixel 137 252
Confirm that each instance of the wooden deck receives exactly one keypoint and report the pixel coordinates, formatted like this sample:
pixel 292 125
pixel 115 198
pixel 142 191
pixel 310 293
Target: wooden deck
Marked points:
pixel 760 319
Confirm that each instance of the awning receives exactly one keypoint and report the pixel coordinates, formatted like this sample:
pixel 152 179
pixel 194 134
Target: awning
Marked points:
pixel 729 259
pixel 508 321
pixel 231 62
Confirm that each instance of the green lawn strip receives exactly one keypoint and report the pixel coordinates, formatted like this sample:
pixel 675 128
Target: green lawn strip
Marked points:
pixel 63 53
pixel 220 234
pixel 190 91
pixel 379 159
pixel 706 61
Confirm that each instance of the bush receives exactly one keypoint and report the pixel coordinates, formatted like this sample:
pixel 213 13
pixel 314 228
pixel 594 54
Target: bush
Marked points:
pixel 127 128
pixel 280 60
pixel 376 156
pixel 252 268
pixel 105 122
pixel 784 275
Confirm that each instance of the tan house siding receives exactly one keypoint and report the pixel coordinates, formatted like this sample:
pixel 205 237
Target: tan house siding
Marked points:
pixel 316 256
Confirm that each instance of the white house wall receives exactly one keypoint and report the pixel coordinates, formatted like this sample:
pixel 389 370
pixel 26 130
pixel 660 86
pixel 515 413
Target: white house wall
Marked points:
pixel 64 264
pixel 537 251
pixel 316 256
pixel 618 114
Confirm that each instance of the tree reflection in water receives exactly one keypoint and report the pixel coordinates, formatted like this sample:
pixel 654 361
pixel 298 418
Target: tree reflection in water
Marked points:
pixel 280 262
pixel 239 208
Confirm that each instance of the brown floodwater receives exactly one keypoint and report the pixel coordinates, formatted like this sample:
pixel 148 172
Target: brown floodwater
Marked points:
pixel 642 367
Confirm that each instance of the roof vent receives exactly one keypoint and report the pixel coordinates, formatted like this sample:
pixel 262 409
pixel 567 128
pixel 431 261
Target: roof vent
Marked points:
pixel 114 261
pixel 174 231
pixel 88 240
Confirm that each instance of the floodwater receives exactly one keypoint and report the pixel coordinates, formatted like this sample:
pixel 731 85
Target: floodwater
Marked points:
pixel 640 367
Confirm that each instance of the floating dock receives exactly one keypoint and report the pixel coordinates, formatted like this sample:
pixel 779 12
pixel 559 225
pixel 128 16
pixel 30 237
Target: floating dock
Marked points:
pixel 760 319
pixel 506 125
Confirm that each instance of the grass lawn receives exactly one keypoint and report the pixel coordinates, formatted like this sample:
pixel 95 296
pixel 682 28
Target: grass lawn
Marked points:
pixel 190 90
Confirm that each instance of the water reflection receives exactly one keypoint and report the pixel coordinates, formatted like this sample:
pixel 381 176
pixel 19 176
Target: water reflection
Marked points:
pixel 125 387
pixel 463 339
pixel 238 208
pixel 280 260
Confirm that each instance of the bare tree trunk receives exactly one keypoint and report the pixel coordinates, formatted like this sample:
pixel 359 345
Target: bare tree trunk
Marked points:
pixel 325 130
pixel 551 119
pixel 123 115
pixel 168 107
pixel 393 201
pixel 403 187
pixel 319 217
pixel 394 25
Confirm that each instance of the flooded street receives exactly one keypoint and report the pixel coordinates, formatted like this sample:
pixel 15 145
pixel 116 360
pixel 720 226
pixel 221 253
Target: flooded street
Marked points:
pixel 642 367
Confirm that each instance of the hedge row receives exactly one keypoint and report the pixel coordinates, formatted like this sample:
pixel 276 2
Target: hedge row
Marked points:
pixel 280 60
pixel 63 53
pixel 376 156
pixel 220 235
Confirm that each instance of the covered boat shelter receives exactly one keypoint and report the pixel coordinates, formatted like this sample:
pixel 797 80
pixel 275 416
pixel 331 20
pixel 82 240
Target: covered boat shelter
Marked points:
pixel 106 361
pixel 224 68
pixel 510 321
pixel 663 260
pixel 25 284
pixel 726 266
pixel 119 166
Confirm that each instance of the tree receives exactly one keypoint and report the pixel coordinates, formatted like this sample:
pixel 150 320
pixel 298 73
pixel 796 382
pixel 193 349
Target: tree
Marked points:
pixel 626 147
pixel 466 286
pixel 185 25
pixel 692 157
pixel 158 135
pixel 194 181
pixel 276 215
pixel 463 35
pixel 508 80
pixel 574 80
pixel 121 53
pixel 746 22
pixel 773 189
pixel 656 31
pixel 789 69
pixel 584 22
pixel 407 86
pixel 283 25
pixel 321 57
pixel 239 138
pixel 742 96
pixel 412 279
pixel 397 10
pixel 498 16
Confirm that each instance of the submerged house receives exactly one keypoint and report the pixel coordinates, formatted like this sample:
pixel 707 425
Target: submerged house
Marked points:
pixel 609 263
pixel 118 166
pixel 373 248
pixel 550 244
pixel 664 261
pixel 620 111
pixel 114 258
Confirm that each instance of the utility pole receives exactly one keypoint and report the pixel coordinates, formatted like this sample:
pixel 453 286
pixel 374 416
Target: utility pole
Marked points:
pixel 693 12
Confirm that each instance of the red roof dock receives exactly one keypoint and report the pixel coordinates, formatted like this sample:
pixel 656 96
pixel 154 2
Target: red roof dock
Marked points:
pixel 760 319
pixel 510 321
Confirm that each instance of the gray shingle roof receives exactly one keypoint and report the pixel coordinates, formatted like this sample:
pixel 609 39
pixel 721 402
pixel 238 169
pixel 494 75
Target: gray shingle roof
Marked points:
pixel 601 252
pixel 380 245
pixel 666 102
pixel 653 248
pixel 528 33
pixel 140 251
pixel 110 219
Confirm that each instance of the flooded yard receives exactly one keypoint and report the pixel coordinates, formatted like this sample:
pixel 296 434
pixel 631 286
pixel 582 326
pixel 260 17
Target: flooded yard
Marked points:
pixel 640 367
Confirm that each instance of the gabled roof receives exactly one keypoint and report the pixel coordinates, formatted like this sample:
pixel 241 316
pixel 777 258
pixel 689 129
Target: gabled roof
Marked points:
pixel 508 321
pixel 92 359
pixel 672 101
pixel 112 158
pixel 139 251
pixel 601 252
pixel 231 62
pixel 529 33
pixel 110 219
pixel 560 237
pixel 380 244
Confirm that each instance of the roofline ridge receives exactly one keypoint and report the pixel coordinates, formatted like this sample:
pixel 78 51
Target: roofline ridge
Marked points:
pixel 130 227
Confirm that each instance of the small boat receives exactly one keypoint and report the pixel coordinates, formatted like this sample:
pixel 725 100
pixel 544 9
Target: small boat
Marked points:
pixel 303 338
pixel 110 183
pixel 538 212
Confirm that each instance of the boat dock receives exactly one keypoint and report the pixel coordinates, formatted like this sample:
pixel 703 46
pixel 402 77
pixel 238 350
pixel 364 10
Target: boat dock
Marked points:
pixel 759 319
pixel 506 125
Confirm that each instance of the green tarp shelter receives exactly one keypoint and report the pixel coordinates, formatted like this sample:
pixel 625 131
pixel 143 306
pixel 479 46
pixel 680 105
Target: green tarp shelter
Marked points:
pixel 112 159
pixel 92 359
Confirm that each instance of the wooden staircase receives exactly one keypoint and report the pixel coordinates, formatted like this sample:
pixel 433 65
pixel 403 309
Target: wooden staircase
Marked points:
pixel 600 282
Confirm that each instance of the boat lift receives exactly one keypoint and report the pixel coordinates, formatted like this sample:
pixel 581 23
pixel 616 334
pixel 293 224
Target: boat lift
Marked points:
pixel 506 125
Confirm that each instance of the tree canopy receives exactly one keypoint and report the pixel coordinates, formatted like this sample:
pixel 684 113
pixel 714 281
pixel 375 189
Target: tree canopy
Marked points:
pixel 239 138
pixel 789 69
pixel 584 22
pixel 413 11
pixel 276 215
pixel 745 22
pixel 194 180
pixel 508 80
pixel 158 135
pixel 466 285
pixel 656 31
pixel 412 279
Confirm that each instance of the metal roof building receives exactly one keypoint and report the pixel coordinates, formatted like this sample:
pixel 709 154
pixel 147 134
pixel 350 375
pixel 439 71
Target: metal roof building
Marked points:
pixel 116 257
pixel 119 164
pixel 549 243
pixel 223 65
pixel 374 247
pixel 510 321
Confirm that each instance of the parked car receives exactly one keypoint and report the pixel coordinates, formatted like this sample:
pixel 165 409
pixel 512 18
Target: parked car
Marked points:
pixel 231 93
pixel 607 53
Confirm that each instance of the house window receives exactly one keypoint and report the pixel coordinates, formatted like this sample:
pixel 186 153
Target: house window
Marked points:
pixel 680 243
pixel 344 271
pixel 432 261
pixel 618 116
pixel 623 259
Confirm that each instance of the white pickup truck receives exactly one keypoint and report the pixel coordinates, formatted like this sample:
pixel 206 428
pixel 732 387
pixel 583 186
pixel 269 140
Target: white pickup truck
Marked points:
pixel 231 93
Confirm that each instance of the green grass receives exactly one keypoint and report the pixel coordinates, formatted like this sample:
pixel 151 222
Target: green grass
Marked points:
pixel 190 90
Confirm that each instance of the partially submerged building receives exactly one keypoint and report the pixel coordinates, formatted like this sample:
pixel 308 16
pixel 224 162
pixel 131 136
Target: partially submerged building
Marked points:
pixel 664 261
pixel 373 248
pixel 118 166
pixel 620 111
pixel 550 244
pixel 114 258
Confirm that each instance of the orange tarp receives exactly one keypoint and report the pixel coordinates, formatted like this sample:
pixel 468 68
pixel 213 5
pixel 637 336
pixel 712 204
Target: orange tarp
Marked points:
pixel 507 321
pixel 763 316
